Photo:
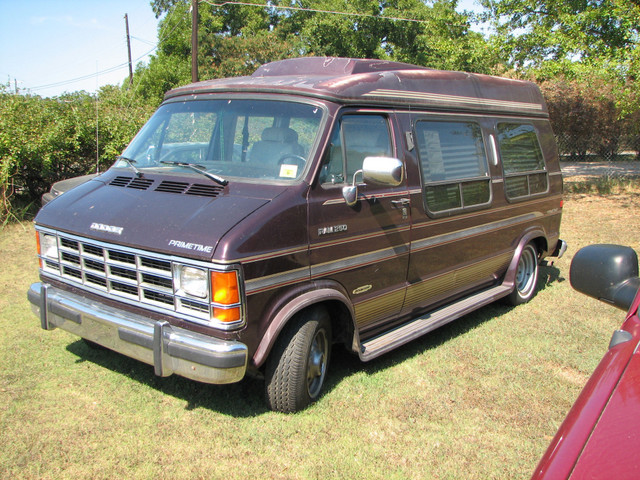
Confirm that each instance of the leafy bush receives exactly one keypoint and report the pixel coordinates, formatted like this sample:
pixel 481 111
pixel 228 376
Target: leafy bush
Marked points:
pixel 43 140
pixel 588 117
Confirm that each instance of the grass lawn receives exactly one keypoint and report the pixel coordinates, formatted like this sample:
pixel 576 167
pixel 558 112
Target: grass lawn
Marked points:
pixel 478 399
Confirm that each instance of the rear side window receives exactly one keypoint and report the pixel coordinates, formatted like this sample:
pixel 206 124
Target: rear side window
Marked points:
pixel 522 160
pixel 454 165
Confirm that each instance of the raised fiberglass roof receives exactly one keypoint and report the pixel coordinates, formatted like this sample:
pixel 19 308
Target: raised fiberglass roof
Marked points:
pixel 379 82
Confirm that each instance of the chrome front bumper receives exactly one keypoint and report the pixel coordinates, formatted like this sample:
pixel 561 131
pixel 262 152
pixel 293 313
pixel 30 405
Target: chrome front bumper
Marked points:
pixel 169 349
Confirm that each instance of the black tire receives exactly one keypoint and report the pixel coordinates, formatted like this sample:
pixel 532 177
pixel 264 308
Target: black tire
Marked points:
pixel 526 281
pixel 297 367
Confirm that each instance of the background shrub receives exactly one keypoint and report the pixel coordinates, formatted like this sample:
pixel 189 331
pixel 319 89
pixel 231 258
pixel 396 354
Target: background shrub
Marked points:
pixel 43 140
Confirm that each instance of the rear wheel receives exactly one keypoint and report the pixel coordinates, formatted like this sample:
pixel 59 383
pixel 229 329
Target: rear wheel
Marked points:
pixel 297 366
pixel 526 280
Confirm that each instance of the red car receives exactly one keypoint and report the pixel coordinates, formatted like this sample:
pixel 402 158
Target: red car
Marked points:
pixel 600 437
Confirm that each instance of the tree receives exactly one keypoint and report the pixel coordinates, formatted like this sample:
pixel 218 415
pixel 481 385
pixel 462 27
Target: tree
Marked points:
pixel 235 39
pixel 563 33
pixel 442 40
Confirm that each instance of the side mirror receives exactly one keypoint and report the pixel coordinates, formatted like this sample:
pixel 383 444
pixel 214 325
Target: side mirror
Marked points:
pixel 606 272
pixel 381 170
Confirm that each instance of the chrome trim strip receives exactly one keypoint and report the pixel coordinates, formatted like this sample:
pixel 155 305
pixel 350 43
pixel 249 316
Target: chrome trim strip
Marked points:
pixel 449 99
pixel 429 242
pixel 269 282
pixel 358 261
pixel 261 284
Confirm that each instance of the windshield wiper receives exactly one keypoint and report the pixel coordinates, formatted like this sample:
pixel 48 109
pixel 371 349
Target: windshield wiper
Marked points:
pixel 199 169
pixel 130 162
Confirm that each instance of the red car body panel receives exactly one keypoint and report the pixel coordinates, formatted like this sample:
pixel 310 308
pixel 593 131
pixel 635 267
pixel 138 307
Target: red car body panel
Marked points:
pixel 599 438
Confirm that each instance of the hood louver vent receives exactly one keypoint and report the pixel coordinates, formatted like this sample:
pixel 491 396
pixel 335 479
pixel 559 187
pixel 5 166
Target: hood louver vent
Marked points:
pixel 130 182
pixel 204 190
pixel 121 181
pixel 172 187
pixel 168 186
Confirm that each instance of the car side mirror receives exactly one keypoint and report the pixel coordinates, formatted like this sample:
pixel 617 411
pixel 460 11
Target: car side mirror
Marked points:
pixel 606 272
pixel 380 170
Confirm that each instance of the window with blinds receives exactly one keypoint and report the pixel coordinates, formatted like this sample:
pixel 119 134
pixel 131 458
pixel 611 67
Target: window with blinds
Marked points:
pixel 522 161
pixel 454 165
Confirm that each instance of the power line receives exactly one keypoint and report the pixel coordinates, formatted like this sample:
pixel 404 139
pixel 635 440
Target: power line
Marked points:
pixel 116 67
pixel 79 79
pixel 315 10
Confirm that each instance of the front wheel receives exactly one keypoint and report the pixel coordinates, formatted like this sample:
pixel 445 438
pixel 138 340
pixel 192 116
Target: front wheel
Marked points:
pixel 526 276
pixel 297 366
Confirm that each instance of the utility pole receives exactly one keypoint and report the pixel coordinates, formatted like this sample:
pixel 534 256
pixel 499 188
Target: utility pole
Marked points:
pixel 126 21
pixel 194 40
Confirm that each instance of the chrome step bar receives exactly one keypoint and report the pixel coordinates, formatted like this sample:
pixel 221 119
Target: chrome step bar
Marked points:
pixel 376 346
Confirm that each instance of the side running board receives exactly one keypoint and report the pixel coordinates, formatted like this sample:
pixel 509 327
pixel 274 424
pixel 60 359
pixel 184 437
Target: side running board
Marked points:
pixel 376 346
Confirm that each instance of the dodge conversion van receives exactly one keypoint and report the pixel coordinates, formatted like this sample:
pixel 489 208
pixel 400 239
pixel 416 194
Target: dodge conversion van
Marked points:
pixel 255 222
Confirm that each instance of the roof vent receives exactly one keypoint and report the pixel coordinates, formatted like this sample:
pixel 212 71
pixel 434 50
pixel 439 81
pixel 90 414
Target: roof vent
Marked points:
pixel 329 66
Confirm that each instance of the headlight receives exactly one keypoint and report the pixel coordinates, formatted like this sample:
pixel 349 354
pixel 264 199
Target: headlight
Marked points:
pixel 49 246
pixel 194 281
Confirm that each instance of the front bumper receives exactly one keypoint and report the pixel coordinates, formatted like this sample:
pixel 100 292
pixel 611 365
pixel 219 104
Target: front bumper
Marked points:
pixel 168 348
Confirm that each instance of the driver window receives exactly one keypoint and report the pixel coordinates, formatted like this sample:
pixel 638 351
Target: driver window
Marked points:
pixel 355 138
pixel 187 137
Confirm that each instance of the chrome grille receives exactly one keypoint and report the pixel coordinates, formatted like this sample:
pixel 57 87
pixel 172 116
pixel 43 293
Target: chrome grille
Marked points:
pixel 129 275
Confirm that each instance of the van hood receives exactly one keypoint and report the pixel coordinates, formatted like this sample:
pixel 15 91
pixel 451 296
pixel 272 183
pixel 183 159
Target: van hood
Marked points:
pixel 155 212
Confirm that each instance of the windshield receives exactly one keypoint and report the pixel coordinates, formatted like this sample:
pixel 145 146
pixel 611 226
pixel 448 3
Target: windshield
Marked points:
pixel 251 139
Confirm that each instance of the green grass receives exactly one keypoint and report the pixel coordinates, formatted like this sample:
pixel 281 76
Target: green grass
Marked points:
pixel 478 399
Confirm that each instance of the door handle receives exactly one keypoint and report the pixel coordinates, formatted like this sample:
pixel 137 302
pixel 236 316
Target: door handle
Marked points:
pixel 402 202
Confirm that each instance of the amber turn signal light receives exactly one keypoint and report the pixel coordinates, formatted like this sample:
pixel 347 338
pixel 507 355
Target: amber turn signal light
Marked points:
pixel 224 287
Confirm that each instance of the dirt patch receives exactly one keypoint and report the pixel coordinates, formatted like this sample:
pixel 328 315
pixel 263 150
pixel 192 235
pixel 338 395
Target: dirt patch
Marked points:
pixel 579 171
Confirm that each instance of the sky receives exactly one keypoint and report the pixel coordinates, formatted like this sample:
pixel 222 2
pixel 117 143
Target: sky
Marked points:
pixel 49 47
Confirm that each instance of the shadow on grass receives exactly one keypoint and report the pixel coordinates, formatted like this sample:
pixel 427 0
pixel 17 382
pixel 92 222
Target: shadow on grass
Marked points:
pixel 246 398
pixel 242 399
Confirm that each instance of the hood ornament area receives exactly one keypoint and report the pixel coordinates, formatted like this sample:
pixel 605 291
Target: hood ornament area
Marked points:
pixel 100 227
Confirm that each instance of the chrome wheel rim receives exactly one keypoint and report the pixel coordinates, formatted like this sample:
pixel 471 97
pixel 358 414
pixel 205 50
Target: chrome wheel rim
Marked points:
pixel 526 274
pixel 317 363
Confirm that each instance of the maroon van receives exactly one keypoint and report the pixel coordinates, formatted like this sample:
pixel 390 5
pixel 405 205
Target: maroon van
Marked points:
pixel 254 222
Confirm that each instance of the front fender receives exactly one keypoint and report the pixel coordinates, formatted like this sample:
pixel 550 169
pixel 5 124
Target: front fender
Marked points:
pixel 318 293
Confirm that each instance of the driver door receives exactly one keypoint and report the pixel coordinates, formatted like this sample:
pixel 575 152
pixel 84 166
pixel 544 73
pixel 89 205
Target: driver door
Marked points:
pixel 364 247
